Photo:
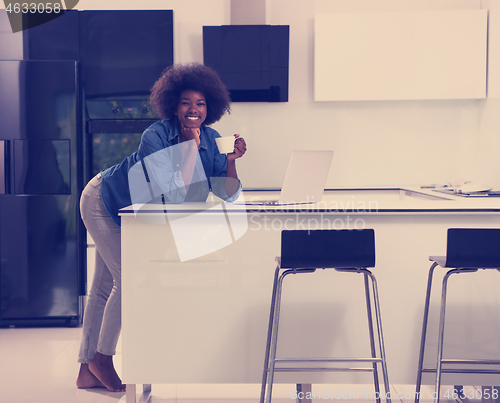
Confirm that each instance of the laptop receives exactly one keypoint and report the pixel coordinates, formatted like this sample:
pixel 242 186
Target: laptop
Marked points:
pixel 305 179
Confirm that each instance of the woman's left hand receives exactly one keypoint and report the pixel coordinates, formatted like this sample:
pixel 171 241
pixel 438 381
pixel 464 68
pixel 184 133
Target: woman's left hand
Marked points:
pixel 240 148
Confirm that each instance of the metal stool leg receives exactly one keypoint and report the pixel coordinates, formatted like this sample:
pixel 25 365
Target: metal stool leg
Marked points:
pixel 274 336
pixel 424 333
pixel 441 333
pixel 269 335
pixel 372 337
pixel 441 327
pixel 378 318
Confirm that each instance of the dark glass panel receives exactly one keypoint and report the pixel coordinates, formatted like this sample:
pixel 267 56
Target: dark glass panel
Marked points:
pixel 42 167
pixel 3 170
pixel 109 149
pixel 48 99
pixel 38 276
pixel 251 60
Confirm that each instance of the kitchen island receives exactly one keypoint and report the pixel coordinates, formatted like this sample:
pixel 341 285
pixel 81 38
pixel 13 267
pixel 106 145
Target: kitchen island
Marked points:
pixel 194 315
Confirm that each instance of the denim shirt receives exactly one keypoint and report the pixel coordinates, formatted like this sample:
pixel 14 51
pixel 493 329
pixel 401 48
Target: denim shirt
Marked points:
pixel 154 171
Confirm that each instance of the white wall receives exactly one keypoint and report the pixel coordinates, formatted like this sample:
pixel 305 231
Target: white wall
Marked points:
pixel 376 143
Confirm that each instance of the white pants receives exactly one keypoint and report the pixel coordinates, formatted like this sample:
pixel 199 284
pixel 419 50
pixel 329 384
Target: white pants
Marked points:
pixel 102 318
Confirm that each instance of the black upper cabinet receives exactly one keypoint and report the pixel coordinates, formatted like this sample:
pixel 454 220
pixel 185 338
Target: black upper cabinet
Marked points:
pixel 251 60
pixel 56 39
pixel 121 53
pixel 124 52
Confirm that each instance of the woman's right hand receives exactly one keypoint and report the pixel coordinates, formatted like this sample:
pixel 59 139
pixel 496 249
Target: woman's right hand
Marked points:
pixel 190 133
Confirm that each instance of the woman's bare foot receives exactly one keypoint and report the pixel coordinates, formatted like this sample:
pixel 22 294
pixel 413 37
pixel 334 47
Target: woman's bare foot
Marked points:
pixel 102 367
pixel 87 379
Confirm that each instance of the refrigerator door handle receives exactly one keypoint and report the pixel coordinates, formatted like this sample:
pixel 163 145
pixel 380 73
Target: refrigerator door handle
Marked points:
pixel 4 167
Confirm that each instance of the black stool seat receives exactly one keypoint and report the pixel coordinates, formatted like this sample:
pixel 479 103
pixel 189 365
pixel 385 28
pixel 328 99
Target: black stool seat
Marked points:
pixel 304 251
pixel 467 251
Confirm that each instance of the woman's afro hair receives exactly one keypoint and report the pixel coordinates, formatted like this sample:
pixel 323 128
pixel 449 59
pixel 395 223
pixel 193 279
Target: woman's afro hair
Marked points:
pixel 166 92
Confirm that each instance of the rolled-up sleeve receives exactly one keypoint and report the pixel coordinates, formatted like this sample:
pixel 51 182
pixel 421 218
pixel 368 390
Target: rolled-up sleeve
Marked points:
pixel 218 185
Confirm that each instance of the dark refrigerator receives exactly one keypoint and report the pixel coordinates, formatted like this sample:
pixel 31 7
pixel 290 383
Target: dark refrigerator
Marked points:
pixel 41 179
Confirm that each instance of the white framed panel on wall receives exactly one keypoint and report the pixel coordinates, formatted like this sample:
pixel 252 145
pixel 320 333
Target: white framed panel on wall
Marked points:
pixel 400 55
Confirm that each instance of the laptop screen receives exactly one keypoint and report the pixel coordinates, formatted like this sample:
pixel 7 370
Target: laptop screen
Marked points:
pixel 306 176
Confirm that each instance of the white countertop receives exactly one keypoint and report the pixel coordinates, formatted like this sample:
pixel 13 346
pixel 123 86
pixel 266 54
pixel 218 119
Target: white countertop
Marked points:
pixel 362 201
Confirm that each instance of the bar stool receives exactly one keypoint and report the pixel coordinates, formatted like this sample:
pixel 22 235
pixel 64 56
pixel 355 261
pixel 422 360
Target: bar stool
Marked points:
pixel 304 251
pixel 467 251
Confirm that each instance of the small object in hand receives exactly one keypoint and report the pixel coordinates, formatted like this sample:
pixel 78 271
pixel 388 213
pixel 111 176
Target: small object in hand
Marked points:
pixel 225 144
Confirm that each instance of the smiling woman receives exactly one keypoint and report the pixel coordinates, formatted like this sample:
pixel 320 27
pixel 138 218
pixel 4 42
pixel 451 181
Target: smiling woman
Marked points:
pixel 180 159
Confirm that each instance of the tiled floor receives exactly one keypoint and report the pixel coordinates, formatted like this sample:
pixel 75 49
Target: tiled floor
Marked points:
pixel 39 366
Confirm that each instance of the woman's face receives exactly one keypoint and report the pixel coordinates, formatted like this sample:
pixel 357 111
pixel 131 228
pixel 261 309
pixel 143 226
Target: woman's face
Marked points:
pixel 191 109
